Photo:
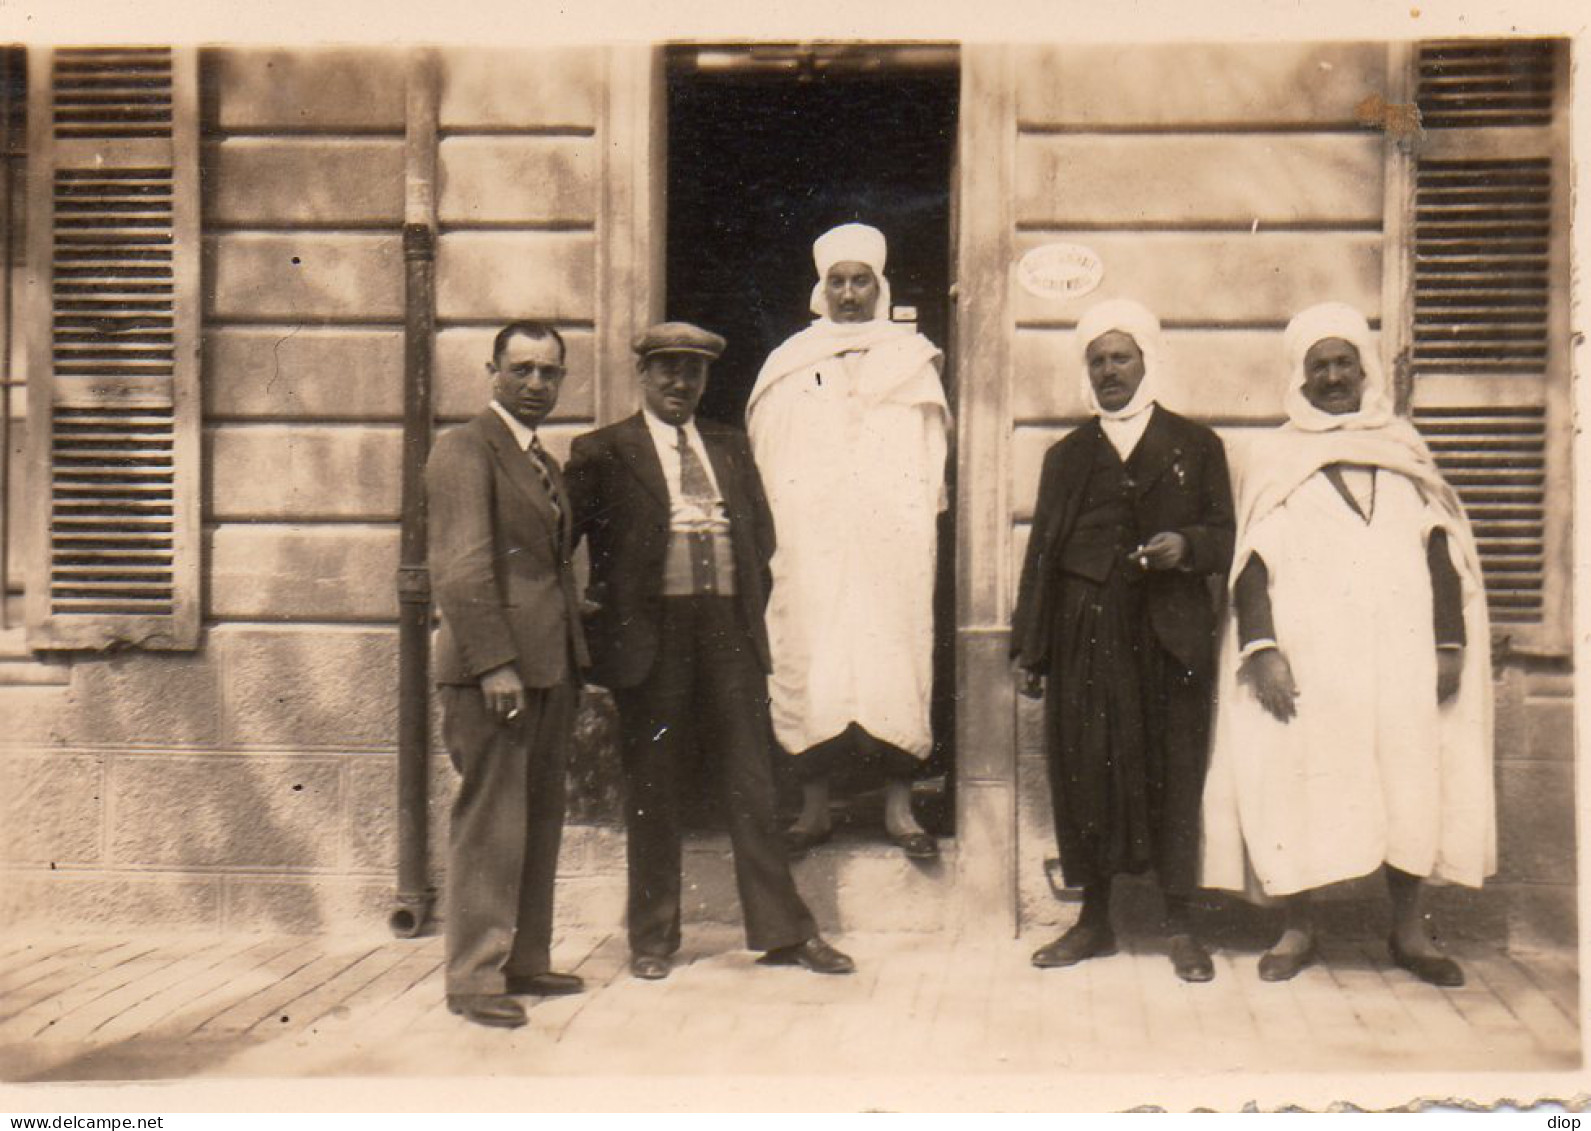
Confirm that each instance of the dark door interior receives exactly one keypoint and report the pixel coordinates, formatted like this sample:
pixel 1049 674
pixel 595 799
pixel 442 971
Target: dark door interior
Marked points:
pixel 764 155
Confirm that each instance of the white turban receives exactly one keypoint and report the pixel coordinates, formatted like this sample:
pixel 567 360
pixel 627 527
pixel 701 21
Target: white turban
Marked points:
pixel 1318 323
pixel 1136 321
pixel 851 243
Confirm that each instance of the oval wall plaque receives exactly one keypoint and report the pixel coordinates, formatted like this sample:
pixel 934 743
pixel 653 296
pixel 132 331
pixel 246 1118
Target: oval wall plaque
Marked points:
pixel 1060 270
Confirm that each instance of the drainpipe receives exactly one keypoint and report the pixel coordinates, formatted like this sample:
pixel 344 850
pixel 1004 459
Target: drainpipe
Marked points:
pixel 7 57
pixel 415 896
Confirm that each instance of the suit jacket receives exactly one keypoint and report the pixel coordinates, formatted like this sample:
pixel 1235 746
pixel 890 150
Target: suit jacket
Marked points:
pixel 502 582
pixel 1181 485
pixel 621 506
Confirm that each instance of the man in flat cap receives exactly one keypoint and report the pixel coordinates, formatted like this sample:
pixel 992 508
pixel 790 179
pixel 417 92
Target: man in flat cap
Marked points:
pixel 680 537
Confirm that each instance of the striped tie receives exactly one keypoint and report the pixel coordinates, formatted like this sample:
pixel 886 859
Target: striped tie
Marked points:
pixel 542 462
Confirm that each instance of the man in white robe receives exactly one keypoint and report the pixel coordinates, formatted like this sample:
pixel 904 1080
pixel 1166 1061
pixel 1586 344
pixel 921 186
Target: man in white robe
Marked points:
pixel 1354 726
pixel 849 425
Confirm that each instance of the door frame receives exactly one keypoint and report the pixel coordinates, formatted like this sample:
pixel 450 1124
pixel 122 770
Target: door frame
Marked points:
pixel 632 237
pixel 986 762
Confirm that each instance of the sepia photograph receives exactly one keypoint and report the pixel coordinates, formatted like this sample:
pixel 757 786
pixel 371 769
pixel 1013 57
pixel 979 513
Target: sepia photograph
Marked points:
pixel 688 569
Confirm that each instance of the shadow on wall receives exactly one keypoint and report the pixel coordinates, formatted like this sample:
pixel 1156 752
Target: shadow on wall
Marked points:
pixel 325 697
pixel 145 821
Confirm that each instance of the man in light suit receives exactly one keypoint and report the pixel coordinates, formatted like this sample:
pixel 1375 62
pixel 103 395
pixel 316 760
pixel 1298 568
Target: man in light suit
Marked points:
pixel 680 537
pixel 508 658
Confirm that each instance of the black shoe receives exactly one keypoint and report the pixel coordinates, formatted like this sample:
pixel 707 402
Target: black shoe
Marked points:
pixel 547 984
pixel 798 841
pixel 1438 971
pixel 1082 941
pixel 498 1010
pixel 916 846
pixel 651 967
pixel 815 954
pixel 1285 967
pixel 1190 960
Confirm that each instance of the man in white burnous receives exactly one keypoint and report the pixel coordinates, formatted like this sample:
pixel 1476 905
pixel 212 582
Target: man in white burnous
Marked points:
pixel 1354 719
pixel 849 426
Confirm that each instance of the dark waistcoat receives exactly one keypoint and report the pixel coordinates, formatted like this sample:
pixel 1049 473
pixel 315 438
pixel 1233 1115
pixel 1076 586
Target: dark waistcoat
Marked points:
pixel 1106 530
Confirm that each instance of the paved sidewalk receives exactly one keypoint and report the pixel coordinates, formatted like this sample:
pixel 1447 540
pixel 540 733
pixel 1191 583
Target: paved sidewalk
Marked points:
pixel 250 1006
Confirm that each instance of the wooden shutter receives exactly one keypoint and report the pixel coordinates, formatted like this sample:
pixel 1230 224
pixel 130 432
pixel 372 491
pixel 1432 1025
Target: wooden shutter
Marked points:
pixel 112 329
pixel 1482 313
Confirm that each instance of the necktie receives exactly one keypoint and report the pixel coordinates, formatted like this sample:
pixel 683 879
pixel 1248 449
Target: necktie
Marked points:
pixel 542 462
pixel 697 491
pixel 694 485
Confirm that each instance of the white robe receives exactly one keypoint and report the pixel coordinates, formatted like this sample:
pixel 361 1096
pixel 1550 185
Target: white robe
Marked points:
pixel 852 456
pixel 1372 769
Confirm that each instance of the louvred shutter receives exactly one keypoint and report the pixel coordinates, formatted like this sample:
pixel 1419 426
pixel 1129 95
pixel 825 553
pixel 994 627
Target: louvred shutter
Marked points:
pixel 113 347
pixel 1487 332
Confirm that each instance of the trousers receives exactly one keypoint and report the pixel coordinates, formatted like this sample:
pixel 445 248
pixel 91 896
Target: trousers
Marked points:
pixel 503 842
pixel 706 680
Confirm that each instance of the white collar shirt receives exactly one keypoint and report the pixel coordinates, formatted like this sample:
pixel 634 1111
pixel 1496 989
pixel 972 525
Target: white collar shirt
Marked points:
pixel 1124 434
pixel 685 516
pixel 523 434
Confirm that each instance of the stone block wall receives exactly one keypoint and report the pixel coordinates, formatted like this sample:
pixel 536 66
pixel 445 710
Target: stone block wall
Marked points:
pixel 250 784
pixel 1279 203
pixel 1536 808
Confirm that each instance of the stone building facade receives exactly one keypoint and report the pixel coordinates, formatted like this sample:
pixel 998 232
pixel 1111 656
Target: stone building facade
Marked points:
pixel 215 745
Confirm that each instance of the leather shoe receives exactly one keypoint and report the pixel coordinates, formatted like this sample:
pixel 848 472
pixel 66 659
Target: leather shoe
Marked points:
pixel 1286 966
pixel 1438 971
pixel 916 846
pixel 497 1010
pixel 815 954
pixel 1081 941
pixel 651 967
pixel 1190 960
pixel 798 841
pixel 546 984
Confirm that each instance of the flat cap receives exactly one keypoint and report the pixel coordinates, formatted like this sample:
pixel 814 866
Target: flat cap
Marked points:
pixel 678 337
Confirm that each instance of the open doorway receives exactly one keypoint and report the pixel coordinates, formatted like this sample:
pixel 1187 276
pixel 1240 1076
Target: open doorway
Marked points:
pixel 769 147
